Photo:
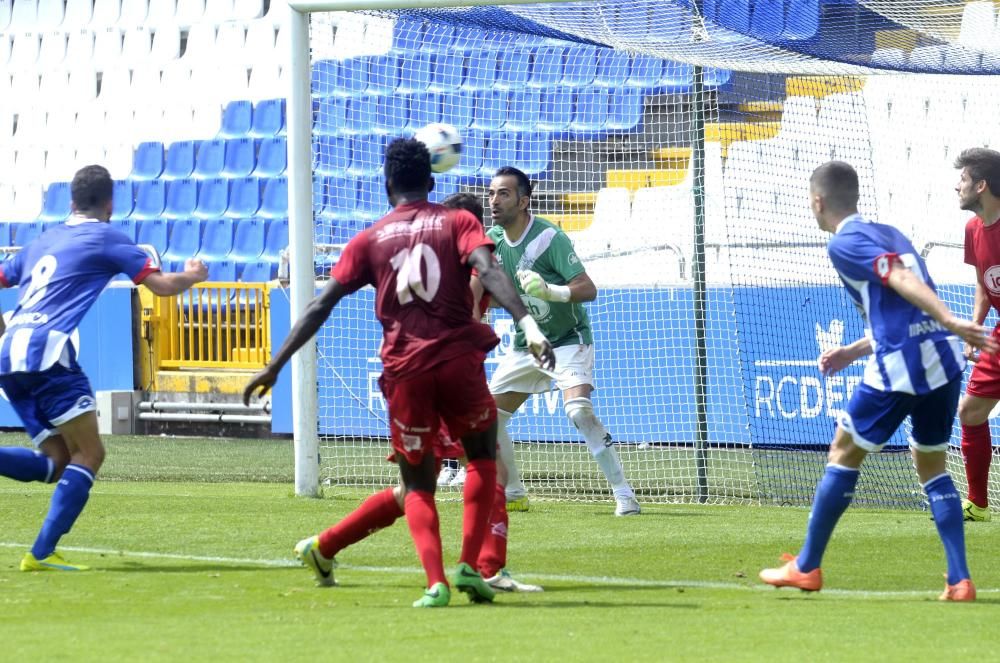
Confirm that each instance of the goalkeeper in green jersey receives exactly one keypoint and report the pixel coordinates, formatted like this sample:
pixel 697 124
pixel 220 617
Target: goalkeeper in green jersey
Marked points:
pixel 553 284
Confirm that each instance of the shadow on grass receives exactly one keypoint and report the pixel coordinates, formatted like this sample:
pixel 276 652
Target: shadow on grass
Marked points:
pixel 139 567
pixel 625 603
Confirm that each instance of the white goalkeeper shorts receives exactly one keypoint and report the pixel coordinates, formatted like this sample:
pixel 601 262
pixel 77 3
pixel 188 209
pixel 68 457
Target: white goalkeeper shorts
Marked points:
pixel 519 372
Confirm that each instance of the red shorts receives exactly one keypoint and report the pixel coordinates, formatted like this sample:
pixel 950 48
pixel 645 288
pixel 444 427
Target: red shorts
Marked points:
pixel 984 381
pixel 444 447
pixel 454 394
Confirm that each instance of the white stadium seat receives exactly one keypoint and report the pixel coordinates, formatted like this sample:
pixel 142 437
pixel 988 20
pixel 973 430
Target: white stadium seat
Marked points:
pixel 259 42
pixel 24 89
pixel 106 13
pixel 121 117
pixel 146 86
pixel 24 52
pixel 52 89
pixel 5 9
pixel 176 82
pixel 24 15
pixel 80 47
pixel 77 14
pixel 217 11
pixel 612 208
pixel 282 44
pixel 247 10
pixel 28 194
pixel 115 85
pixel 82 84
pixel 60 124
pixel 166 45
pixel 89 153
pixel 265 81
pixel 200 46
pixel 107 48
pixel 161 12
pixel 50 15
pixel 136 47
pixel 6 191
pixel 205 122
pixel 118 160
pixel 53 51
pixel 29 166
pixel 176 121
pixel 6 126
pixel 976 31
pixel 189 12
pixel 230 41
pixel 90 120
pixel 60 163
pixel 147 122
pixel 5 46
pixel 133 13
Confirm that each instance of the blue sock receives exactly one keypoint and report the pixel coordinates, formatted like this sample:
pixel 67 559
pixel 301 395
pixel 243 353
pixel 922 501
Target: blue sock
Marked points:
pixel 833 495
pixel 946 507
pixel 22 464
pixel 68 500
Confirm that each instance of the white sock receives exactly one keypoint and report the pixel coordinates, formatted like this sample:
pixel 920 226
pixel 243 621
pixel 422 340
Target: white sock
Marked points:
pixel 514 487
pixel 581 412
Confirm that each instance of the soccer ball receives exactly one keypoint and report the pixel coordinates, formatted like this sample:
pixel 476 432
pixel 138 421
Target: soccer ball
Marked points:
pixel 444 143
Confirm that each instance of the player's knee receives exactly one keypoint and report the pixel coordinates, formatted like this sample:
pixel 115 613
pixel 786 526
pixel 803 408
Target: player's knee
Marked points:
pixel 57 452
pixel 399 494
pixel 973 412
pixel 581 412
pixel 92 457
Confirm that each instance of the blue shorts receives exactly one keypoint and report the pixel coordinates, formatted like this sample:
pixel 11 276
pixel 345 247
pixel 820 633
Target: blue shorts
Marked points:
pixel 48 399
pixel 872 416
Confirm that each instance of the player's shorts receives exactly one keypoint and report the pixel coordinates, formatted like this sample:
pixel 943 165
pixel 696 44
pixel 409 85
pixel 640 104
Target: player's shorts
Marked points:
pixel 453 393
pixel 984 381
pixel 445 447
pixel 519 372
pixel 873 416
pixel 48 399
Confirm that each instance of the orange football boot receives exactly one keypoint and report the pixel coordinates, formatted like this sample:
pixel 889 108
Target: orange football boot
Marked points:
pixel 790 576
pixel 963 590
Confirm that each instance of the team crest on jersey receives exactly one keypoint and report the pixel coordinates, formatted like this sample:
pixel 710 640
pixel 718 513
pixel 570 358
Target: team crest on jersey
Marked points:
pixel 538 308
pixel 573 259
pixel 991 279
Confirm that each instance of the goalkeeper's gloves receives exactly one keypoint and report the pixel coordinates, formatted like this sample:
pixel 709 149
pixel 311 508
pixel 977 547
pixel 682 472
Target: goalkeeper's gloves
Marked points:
pixel 538 345
pixel 534 285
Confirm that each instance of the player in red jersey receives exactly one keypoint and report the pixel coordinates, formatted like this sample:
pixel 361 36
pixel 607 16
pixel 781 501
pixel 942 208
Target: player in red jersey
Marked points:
pixel 979 192
pixel 419 258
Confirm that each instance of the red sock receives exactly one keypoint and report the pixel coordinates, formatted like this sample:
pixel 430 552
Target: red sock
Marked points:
pixel 493 555
pixel 422 517
pixel 480 487
pixel 375 513
pixel 977 452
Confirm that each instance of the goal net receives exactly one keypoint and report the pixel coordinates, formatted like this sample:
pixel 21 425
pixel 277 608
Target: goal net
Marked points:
pixel 672 141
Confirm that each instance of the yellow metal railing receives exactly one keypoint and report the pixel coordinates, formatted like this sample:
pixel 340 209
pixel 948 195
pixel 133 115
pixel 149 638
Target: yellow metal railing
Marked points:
pixel 212 325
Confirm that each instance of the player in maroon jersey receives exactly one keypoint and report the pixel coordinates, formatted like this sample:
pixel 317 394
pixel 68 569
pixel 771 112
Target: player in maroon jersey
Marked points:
pixel 419 258
pixel 979 192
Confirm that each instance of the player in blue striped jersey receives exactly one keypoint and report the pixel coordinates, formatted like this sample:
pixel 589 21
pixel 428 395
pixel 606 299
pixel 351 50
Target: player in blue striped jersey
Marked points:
pixel 60 276
pixel 915 370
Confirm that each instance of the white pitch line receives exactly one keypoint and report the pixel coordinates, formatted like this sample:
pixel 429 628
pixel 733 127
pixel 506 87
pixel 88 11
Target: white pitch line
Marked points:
pixel 545 577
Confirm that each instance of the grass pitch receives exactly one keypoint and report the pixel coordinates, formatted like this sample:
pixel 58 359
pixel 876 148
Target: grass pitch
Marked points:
pixel 202 570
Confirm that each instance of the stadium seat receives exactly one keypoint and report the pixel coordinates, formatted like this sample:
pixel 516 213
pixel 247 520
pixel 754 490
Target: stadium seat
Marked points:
pixel 414 73
pixel 331 154
pixel 189 12
pixel 352 77
pixel 80 46
pixel 24 52
pixel 24 15
pixel 23 234
pixel 52 53
pixel 244 198
pixel 407 36
pixel 472 155
pixel 480 70
pixel 437 37
pixel 546 67
pixel 161 13
pixel 260 40
pixel 645 71
pixel 523 110
pixel 424 109
pixel 185 241
pixel 324 78
pixel 150 199
pixel 153 232
pixel 182 199
pixel 371 201
pixel 276 240
pixel 107 48
pixel 237 118
pixel 230 42
pixel 125 226
pixel 447 71
pixel 335 197
pixel 927 58
pixel 500 150
pixel 55 206
pixel 179 160
pixel 133 13
pixel 556 110
pixel 489 110
pixel 767 20
pixel 217 240
pixel 533 152
pixel 624 109
pixel 106 14
pixel 5 233
pixel 613 68
pixel 272 157
pixel 123 200
pixel 147 164
pixel 241 157
pixel 266 81
pixel 889 58
pixel 383 74
pixel 274 199
pixel 677 77
pixel 331 116
pixel 248 240
pixel 801 20
pixel 210 158
pixel 137 47
pixel 457 109
pixel 392 113
pixel 360 115
pixel 258 272
pixel 580 66
pixel 268 118
pixel 50 15
pixel 213 198
pixel 444 186
pixel 513 69
pixel 76 16
pixel 733 14
pixel 367 155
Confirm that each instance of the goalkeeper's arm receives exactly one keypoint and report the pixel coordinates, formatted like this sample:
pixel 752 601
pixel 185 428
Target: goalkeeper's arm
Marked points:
pixel 580 288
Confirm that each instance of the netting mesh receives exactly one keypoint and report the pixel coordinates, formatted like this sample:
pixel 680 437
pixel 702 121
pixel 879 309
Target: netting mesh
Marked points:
pixel 716 295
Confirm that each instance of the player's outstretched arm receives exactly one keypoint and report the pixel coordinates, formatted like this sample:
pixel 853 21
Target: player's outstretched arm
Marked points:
pixel 174 283
pixel 580 289
pixel 498 284
pixel 914 290
pixel 837 359
pixel 317 311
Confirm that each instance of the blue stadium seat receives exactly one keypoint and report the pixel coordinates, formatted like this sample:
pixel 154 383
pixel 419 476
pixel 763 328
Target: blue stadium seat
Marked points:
pixel 767 19
pixel 324 78
pixel 590 113
pixel 237 118
pixel 438 36
pixel 275 240
pixel 890 58
pixel 473 143
pixel 150 199
pixel 331 116
pixel 185 241
pixel 414 73
pixel 153 232
pixel 180 160
pixel 645 71
pixel 244 198
pixel 210 159
pixel 523 110
pixel 424 109
pixel 213 198
pixel 248 239
pixel 123 200
pixel 268 118
pixel 714 77
pixel 677 76
pixel 216 240
pixel 733 14
pixel 221 271
pixel 274 199
pixel 23 234
pixel 272 157
pixel 125 226
pixel 533 151
pixel 580 66
pixel 480 70
pixel 360 115
pixel 391 114
pixel 612 68
pixel 371 202
pixel 352 77
pixel 447 72
pixel 182 198
pixel 556 110
pixel 801 19
pixel 513 69
pixel 444 186
pixel 367 155
pixel 331 154
pixel 4 233
pixel 241 157
pixel 147 161
pixel 501 150
pixel 546 67
pixel 489 110
pixel 383 74
pixel 624 109
pixel 407 36
pixel 335 197
pixel 457 109
pixel 258 272
pixel 55 205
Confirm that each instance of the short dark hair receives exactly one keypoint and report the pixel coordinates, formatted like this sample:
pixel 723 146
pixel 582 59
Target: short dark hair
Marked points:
pixel 466 201
pixel 92 187
pixel 982 164
pixel 523 183
pixel 408 165
pixel 837 182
